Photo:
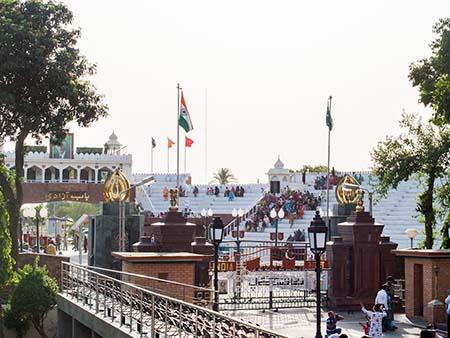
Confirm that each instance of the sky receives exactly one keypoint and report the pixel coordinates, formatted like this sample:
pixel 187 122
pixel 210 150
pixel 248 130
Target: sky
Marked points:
pixel 256 74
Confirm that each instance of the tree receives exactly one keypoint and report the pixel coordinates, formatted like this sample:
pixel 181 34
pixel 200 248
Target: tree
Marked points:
pixel 43 85
pixel 73 210
pixel 224 176
pixel 422 149
pixel 320 168
pixel 431 74
pixel 33 297
pixel 6 262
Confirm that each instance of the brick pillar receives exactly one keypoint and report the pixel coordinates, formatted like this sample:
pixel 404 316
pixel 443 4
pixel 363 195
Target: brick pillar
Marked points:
pixel 388 261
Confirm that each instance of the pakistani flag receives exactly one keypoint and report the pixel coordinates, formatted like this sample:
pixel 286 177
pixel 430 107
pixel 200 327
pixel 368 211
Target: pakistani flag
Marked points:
pixel 329 119
pixel 185 120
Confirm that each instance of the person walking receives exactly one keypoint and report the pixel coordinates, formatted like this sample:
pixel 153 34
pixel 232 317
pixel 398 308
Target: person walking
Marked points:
pixel 375 318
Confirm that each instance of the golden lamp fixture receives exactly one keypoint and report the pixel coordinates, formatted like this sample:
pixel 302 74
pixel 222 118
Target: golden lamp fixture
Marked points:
pixel 117 187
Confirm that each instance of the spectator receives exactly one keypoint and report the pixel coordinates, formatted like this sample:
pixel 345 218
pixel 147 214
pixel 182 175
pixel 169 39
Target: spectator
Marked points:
pixel 195 191
pixel 332 320
pixel 375 317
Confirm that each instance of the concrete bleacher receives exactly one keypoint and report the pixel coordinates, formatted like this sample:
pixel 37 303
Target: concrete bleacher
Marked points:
pixel 151 197
pixel 397 211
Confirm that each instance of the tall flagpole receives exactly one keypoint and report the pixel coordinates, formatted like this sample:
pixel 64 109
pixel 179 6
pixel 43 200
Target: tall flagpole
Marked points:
pixel 328 171
pixel 185 158
pixel 168 158
pixel 151 158
pixel 206 136
pixel 178 136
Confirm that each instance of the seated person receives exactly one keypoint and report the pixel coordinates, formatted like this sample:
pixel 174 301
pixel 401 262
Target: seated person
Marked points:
pixel 333 318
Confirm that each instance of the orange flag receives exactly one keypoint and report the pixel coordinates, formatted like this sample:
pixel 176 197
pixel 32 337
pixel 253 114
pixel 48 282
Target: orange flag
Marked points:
pixel 170 143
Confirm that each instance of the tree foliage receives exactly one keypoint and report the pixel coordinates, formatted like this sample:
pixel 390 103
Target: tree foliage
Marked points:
pixel 73 210
pixel 421 149
pixel 320 168
pixel 224 176
pixel 43 84
pixel 33 297
pixel 431 74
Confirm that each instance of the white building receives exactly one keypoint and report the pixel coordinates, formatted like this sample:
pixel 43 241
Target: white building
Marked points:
pixel 279 176
pixel 84 167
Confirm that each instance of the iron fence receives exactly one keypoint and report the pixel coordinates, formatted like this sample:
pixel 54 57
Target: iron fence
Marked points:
pixel 145 313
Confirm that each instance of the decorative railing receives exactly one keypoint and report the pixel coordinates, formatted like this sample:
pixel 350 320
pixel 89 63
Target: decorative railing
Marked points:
pixel 146 313
pixel 98 157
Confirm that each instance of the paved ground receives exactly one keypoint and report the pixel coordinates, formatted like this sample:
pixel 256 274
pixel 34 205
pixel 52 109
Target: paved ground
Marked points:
pixel 302 323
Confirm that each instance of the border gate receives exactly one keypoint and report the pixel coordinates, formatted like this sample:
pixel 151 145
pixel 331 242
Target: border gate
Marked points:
pixel 261 276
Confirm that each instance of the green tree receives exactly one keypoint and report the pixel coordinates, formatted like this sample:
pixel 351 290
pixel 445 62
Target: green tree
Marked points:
pixel 224 176
pixel 421 149
pixel 6 261
pixel 73 210
pixel 31 300
pixel 43 85
pixel 431 74
pixel 320 168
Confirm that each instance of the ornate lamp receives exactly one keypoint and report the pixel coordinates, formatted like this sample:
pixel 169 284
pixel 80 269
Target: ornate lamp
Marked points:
pixel 317 233
pixel 412 233
pixel 216 230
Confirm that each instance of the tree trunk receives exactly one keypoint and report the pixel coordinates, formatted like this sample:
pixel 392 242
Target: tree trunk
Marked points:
pixel 445 232
pixel 427 210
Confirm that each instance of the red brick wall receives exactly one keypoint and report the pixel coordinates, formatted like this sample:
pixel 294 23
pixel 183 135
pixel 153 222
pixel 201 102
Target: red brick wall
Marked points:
pixel 52 262
pixel 428 287
pixel 181 272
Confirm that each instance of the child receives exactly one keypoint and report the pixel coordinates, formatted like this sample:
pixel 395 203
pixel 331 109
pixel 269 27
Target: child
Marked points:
pixel 331 323
pixel 375 317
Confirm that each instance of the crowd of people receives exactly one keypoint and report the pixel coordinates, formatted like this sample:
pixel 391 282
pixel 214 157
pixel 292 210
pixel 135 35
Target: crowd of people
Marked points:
pixel 320 182
pixel 294 203
pixel 230 193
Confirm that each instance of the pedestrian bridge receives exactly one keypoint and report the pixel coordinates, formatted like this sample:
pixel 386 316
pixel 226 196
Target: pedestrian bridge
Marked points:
pixel 94 304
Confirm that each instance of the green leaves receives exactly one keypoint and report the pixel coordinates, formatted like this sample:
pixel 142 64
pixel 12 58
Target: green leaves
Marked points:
pixel 431 74
pixel 224 176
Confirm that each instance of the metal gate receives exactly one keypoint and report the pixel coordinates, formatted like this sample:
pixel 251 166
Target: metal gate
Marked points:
pixel 266 277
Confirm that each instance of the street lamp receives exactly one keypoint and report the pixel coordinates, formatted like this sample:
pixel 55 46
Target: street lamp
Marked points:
pixel 276 215
pixel 216 230
pixel 145 181
pixel 412 233
pixel 352 187
pixel 206 213
pixel 31 213
pixel 317 233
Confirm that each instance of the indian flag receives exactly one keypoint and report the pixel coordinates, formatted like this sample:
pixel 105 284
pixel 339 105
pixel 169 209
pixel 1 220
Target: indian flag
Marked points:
pixel 185 120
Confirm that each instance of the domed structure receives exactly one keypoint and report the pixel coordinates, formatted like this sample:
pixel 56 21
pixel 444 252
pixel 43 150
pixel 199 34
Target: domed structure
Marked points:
pixel 113 146
pixel 279 176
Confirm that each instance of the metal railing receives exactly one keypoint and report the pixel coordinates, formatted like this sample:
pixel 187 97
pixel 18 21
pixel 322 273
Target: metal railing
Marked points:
pixel 146 313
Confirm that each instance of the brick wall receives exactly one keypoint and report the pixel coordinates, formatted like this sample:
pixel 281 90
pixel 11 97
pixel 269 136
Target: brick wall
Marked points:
pixel 52 262
pixel 181 272
pixel 37 192
pixel 427 287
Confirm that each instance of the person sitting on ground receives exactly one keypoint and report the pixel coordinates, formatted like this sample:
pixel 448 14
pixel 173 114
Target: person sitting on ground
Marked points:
pixel 333 318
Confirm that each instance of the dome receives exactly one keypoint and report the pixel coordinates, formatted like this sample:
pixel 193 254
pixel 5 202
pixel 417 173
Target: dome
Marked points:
pixel 113 140
pixel 278 164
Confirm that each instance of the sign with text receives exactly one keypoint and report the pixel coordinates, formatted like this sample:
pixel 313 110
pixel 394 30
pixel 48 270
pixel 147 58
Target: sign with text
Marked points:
pixel 75 196
pixel 311 265
pixel 223 266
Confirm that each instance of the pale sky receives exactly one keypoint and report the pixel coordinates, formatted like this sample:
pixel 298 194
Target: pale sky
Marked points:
pixel 268 67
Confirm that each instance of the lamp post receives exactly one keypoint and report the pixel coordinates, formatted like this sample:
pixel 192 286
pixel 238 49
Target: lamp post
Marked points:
pixel 145 181
pixel 32 212
pixel 238 213
pixel 412 233
pixel 276 215
pixel 216 230
pixel 317 233
pixel 206 213
pixel 352 187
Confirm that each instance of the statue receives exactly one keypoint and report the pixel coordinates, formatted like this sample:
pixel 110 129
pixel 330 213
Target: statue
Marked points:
pixel 359 200
pixel 344 196
pixel 116 188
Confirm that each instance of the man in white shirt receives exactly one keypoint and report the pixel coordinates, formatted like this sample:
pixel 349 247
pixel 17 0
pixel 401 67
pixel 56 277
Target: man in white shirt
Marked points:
pixel 382 298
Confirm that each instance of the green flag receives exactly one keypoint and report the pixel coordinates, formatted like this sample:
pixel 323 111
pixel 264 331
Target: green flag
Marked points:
pixel 185 119
pixel 329 119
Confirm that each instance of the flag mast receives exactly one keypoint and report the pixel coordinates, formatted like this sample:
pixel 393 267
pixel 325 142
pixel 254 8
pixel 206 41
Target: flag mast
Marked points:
pixel 330 125
pixel 178 136
pixel 185 157
pixel 151 158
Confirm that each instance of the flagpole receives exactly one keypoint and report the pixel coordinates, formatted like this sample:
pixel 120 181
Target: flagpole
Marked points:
pixel 178 136
pixel 185 158
pixel 168 157
pixel 328 172
pixel 206 135
pixel 151 158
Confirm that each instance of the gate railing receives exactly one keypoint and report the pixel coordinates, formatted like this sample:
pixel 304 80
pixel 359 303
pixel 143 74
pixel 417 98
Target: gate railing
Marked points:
pixel 146 313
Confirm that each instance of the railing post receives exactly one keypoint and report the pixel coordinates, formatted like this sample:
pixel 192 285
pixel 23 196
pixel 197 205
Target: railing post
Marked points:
pixel 112 301
pixel 180 320
pixel 142 313
pixel 104 299
pixel 96 294
pixel 153 317
pixel 131 310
